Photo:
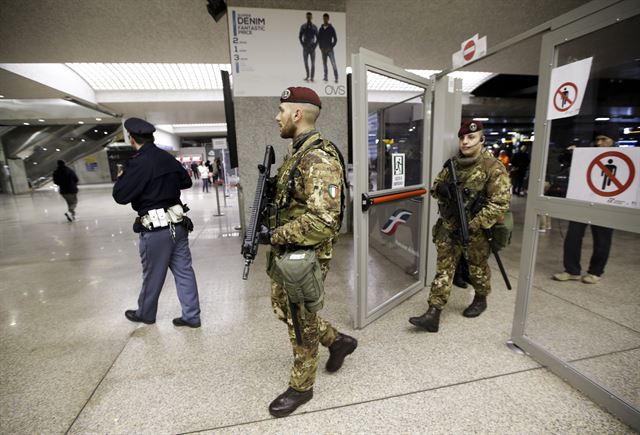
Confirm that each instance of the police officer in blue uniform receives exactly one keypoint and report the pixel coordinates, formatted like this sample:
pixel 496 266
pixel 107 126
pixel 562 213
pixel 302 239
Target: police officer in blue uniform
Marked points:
pixel 151 182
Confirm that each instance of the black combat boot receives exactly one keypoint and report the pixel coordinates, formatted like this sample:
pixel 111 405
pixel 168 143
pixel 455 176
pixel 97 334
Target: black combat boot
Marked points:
pixel 338 351
pixel 476 308
pixel 458 280
pixel 289 401
pixel 429 320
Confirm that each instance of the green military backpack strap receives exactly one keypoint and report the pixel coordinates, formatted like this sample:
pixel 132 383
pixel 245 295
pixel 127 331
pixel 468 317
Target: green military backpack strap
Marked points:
pixel 299 273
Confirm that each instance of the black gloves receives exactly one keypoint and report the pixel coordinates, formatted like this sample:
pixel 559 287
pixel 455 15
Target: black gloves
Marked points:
pixel 264 235
pixel 444 190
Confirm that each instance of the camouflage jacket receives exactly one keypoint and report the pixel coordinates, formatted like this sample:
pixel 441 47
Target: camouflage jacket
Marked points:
pixel 311 215
pixel 481 175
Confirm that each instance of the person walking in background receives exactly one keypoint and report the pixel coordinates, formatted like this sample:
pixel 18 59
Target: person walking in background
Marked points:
pixel 194 171
pixel 308 37
pixel 204 176
pixel 67 181
pixel 327 39
pixel 519 166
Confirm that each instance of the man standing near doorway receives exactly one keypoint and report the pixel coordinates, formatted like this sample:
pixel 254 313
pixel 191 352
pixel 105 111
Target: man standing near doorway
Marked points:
pixel 67 182
pixel 151 182
pixel 486 186
pixel 327 39
pixel 309 199
pixel 602 236
pixel 308 37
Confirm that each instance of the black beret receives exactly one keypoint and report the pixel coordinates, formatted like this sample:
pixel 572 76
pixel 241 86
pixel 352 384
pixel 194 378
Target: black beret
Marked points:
pixel 139 126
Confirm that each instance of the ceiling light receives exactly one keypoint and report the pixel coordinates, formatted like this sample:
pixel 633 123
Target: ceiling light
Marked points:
pixel 72 138
pixel 40 120
pixel 80 122
pixel 44 149
pixel 35 163
pixel 95 131
pixel 602 119
pixel 82 140
pixel 98 119
pixel 106 132
pixel 25 123
pixel 1 96
pixel 57 149
pixel 480 119
pixel 494 133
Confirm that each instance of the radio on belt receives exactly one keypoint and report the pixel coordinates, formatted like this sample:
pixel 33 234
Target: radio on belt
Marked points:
pixel 158 218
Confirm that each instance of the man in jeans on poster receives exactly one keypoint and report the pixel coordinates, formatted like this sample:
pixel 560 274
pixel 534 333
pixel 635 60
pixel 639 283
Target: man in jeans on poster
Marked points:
pixel 327 39
pixel 308 37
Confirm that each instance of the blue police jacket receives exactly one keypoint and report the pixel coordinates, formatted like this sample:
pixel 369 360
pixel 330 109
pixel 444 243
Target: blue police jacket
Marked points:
pixel 308 35
pixel 152 179
pixel 327 38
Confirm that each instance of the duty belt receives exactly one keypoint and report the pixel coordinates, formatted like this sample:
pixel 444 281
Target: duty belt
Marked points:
pixel 162 218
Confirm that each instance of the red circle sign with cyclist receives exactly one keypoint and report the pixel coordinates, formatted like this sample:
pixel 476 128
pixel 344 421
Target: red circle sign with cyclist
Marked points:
pixel 565 96
pixel 610 173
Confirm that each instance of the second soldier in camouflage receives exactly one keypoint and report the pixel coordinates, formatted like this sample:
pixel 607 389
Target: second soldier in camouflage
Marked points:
pixel 487 193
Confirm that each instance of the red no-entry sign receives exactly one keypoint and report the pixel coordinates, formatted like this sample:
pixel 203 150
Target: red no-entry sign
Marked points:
pixel 469 50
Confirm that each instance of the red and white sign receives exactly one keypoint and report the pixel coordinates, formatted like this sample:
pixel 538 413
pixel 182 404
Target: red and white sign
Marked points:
pixel 471 49
pixel 605 175
pixel 567 87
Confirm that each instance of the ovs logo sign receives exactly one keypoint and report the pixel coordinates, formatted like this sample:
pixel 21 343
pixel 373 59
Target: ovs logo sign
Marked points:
pixel 339 90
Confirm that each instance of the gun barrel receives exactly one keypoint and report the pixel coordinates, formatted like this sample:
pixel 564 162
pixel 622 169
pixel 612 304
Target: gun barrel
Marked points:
pixel 245 272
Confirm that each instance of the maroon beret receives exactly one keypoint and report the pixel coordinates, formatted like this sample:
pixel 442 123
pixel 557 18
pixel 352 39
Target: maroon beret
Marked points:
pixel 470 127
pixel 296 94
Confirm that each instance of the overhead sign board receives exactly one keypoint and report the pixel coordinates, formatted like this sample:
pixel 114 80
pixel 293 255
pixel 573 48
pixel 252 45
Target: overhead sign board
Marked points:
pixel 272 49
pixel 470 50
pixel 567 88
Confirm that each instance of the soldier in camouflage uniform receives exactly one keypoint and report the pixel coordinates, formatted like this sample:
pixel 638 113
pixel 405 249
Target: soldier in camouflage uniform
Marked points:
pixel 308 216
pixel 480 174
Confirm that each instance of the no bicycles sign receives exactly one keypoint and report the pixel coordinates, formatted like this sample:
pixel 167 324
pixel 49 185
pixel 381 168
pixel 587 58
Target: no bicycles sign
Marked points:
pixel 606 175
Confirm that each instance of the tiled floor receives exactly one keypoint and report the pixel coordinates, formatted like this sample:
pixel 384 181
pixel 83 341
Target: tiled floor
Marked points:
pixel 71 362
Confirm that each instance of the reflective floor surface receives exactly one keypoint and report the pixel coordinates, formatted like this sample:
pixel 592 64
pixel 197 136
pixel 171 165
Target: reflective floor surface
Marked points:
pixel 72 363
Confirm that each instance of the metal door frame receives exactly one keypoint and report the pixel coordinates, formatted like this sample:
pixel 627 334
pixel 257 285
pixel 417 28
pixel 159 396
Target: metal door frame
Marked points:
pixel 362 62
pixel 622 218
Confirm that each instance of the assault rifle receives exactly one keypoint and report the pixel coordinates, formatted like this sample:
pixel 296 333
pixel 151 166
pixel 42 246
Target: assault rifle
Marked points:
pixel 265 193
pixel 456 195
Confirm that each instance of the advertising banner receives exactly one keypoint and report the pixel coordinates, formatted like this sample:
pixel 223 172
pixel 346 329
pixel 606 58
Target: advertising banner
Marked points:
pixel 272 49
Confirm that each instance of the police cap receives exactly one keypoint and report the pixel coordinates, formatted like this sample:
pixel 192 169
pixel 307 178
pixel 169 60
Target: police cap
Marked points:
pixel 139 127
pixel 300 94
pixel 469 127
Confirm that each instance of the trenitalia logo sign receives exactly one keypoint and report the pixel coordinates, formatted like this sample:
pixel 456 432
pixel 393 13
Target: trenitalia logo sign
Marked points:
pixel 398 217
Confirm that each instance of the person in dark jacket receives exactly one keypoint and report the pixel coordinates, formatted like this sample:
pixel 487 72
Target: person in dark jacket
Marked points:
pixel 67 181
pixel 308 37
pixel 151 182
pixel 327 39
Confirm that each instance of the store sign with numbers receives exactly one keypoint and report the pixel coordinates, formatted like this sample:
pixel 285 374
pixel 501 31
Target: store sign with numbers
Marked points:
pixel 272 49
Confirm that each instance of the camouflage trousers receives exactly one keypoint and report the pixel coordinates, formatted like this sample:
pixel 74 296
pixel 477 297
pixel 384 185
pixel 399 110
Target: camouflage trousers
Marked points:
pixel 314 329
pixel 449 252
